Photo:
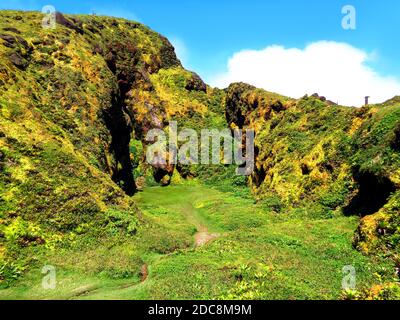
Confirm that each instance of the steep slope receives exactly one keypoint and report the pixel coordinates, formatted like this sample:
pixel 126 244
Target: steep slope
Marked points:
pixel 58 101
pixel 73 101
pixel 316 159
pixel 76 104
pixel 177 95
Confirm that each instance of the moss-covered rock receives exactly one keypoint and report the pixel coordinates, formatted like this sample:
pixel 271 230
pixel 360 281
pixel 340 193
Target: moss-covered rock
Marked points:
pixel 65 126
pixel 328 159
pixel 77 102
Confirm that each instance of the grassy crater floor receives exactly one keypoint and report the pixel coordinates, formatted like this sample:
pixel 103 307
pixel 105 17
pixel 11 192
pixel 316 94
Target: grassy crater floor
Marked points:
pixel 201 243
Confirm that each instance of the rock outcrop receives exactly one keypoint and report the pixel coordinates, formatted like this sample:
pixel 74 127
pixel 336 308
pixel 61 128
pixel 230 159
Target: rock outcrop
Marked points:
pixel 316 158
pixel 76 105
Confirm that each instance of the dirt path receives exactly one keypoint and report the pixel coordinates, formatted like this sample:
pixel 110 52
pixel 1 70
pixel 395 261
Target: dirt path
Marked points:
pixel 201 238
pixel 83 291
pixel 203 235
pixel 144 273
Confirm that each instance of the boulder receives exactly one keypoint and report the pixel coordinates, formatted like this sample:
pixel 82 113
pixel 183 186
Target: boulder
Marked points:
pixel 9 40
pixel 168 55
pixel 73 24
pixel 2 158
pixel 11 29
pixel 17 60
pixel 196 84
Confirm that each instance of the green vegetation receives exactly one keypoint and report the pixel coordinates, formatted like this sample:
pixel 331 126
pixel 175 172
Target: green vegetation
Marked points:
pixel 76 103
pixel 319 160
pixel 257 254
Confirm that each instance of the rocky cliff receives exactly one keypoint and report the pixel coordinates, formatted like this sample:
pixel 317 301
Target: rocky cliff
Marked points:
pixel 316 159
pixel 77 101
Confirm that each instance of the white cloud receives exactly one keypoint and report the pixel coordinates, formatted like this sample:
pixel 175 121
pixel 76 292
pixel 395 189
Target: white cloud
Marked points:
pixel 335 70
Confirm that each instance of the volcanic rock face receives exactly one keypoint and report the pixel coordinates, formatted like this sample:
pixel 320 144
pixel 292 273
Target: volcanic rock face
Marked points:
pixel 312 153
pixel 21 50
pixel 73 23
pixel 67 102
pixel 396 138
pixel 372 194
pixel 167 55
pixel 196 84
pixel 77 102
pixel 237 108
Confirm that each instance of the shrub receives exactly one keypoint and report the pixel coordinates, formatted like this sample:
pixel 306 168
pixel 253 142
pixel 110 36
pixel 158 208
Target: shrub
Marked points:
pixel 9 271
pixel 23 233
pixel 121 220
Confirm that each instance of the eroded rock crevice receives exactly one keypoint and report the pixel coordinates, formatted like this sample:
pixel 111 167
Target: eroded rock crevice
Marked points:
pixel 126 115
pixel 117 118
pixel 373 193
pixel 120 127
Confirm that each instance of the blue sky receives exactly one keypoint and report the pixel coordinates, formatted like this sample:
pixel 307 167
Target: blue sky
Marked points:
pixel 209 33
